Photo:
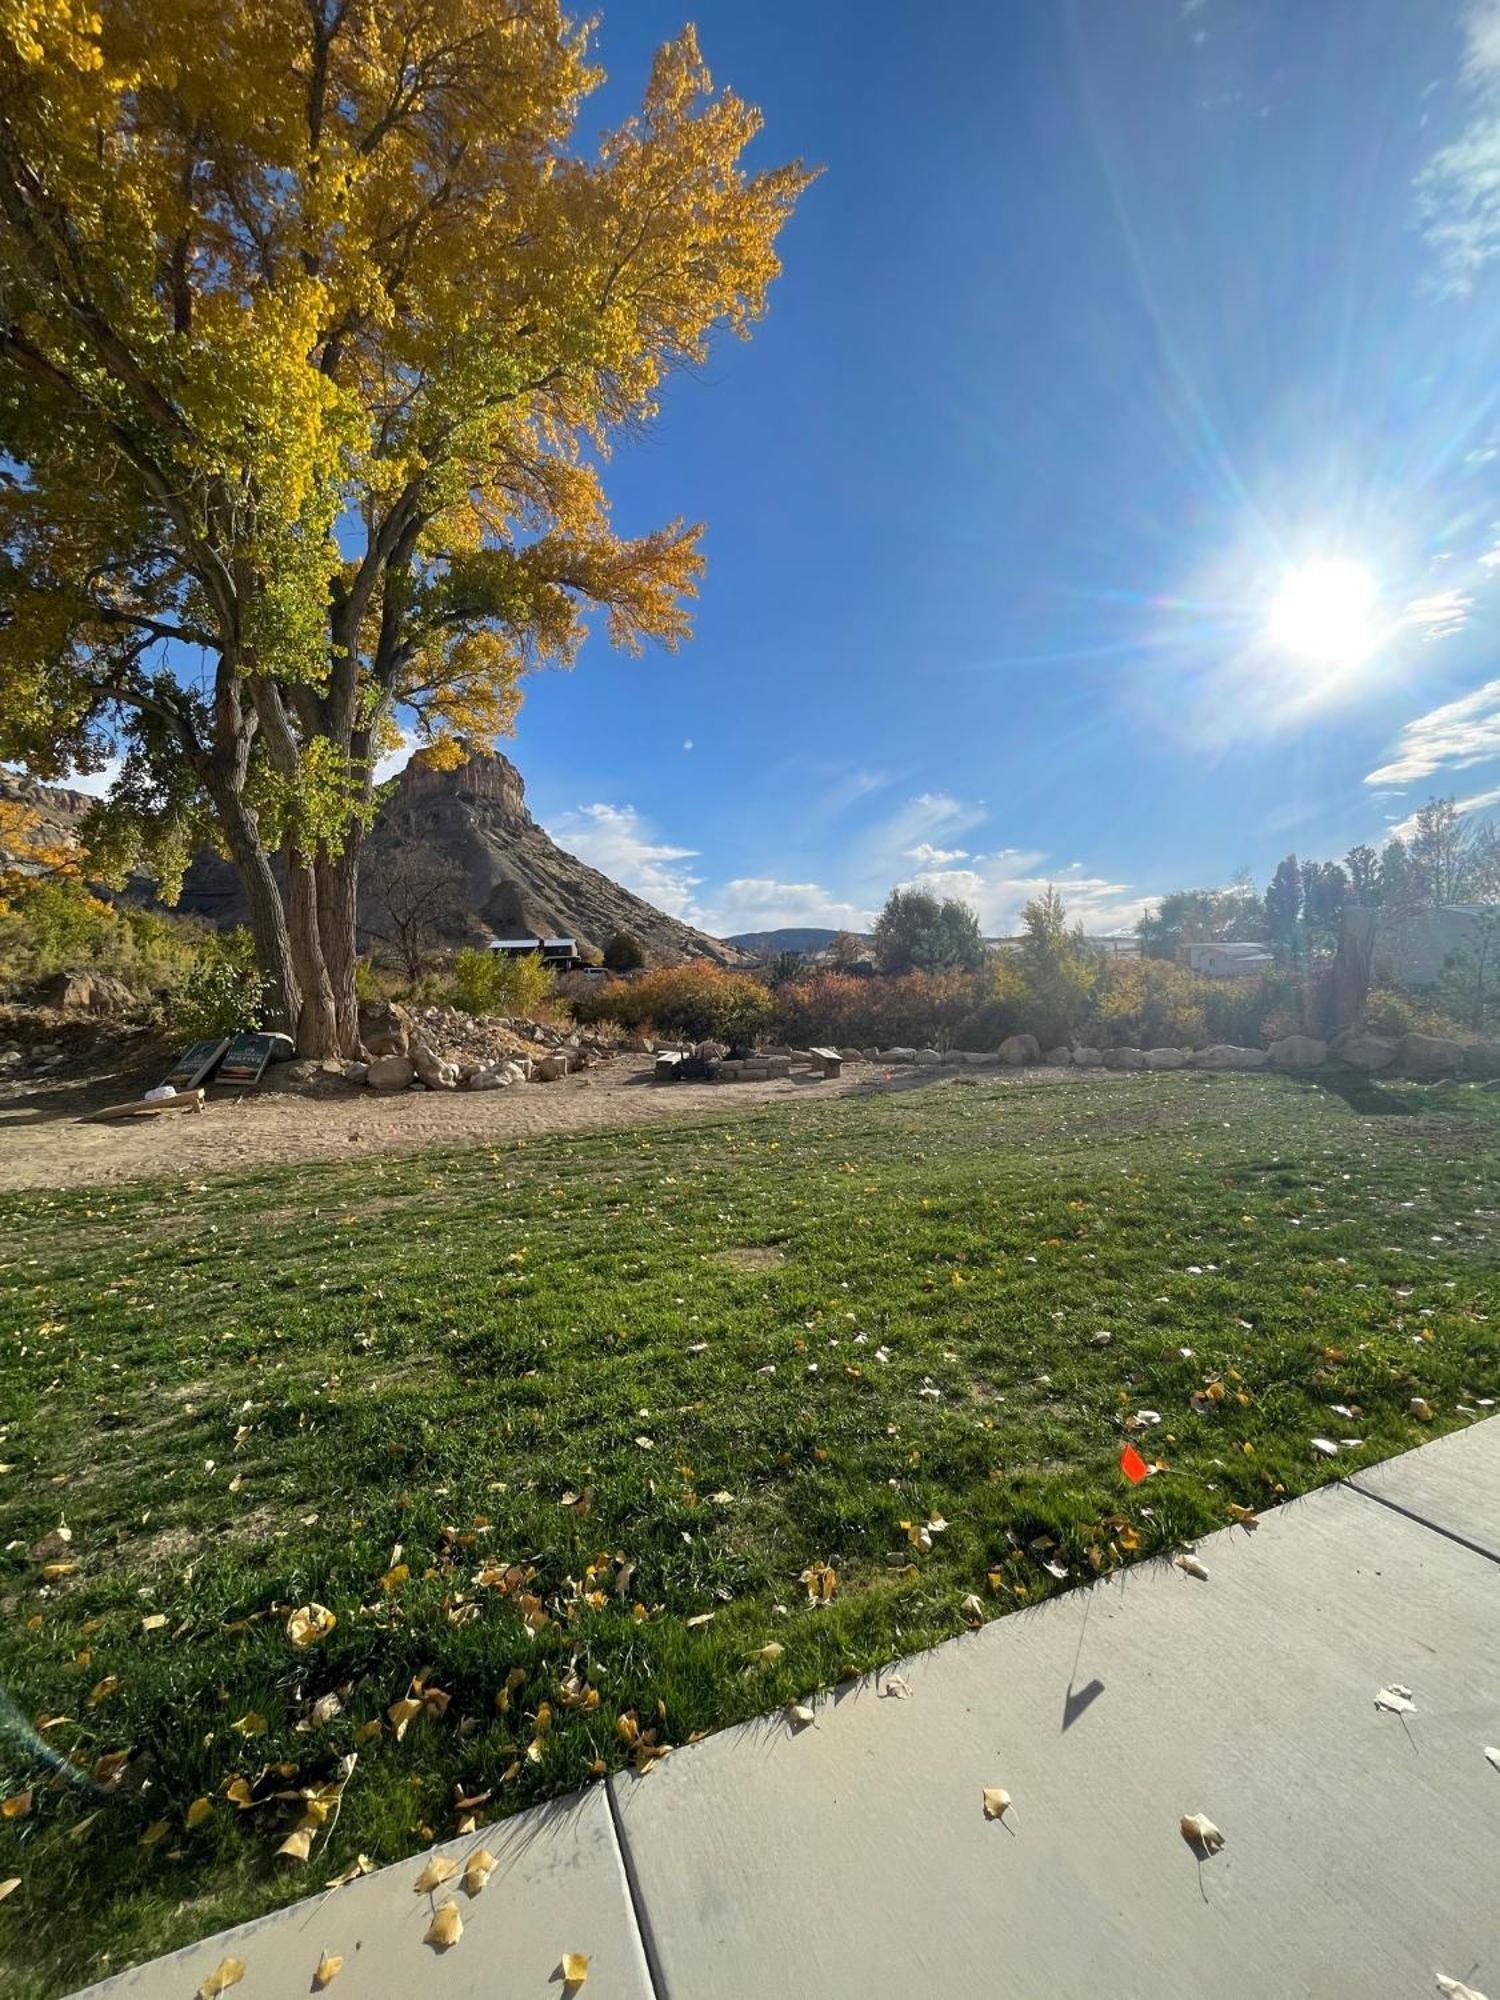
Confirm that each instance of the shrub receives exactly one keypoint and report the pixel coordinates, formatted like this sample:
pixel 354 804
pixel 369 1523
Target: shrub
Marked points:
pixel 907 1008
pixel 493 982
pixel 222 991
pixel 624 953
pixel 697 1000
pixel 1388 1012
pixel 1147 1003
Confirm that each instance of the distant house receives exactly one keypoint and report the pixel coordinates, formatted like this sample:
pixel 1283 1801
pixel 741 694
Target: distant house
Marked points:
pixel 560 953
pixel 1217 960
pixel 1415 947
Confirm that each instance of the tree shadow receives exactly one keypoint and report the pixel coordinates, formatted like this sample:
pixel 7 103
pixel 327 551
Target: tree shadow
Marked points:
pixel 1361 1092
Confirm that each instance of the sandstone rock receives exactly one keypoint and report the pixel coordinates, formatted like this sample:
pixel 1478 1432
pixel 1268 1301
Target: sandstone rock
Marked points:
pixel 88 993
pixel 897 1055
pixel 1225 1055
pixel 431 1068
pixel 1086 1058
pixel 390 1073
pixel 850 1055
pixel 1363 1051
pixel 1431 1055
pixel 711 1051
pixel 1059 1058
pixel 1018 1049
pixel 356 1072
pixel 1298 1052
pixel 385 1028
pixel 1482 1059
pixel 1165 1059
pixel 1124 1059
pixel 927 1058
pixel 549 1069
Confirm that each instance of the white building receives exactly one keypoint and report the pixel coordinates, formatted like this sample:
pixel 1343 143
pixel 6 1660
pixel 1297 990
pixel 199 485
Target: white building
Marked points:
pixel 1228 961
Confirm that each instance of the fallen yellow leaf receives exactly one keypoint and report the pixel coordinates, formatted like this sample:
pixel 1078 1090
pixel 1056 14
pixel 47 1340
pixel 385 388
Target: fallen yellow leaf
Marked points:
pixel 156 1831
pixel 446 1928
pixel 17 1805
pixel 9 1886
pixel 478 1871
pixel 298 1844
pixel 1201 1834
pixel 330 1965
pixel 199 1811
pixel 253 1724
pixel 438 1871
pixel 155 1622
pixel 309 1624
pixel 575 1967
pixel 229 1972
pixel 238 1793
pixel 996 1802
pixel 402 1713
pixel 102 1690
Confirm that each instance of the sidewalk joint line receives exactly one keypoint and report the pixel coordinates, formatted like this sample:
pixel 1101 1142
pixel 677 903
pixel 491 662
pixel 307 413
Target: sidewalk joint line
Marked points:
pixel 638 1911
pixel 1434 1527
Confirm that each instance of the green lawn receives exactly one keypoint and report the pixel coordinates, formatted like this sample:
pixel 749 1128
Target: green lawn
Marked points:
pixel 242 1396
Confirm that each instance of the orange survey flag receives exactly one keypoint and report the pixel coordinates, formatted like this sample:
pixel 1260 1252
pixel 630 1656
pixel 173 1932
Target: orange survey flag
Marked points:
pixel 1133 1465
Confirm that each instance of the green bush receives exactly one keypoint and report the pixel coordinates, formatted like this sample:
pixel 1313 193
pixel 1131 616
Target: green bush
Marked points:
pixel 623 953
pixel 221 992
pixel 1388 1012
pixel 493 982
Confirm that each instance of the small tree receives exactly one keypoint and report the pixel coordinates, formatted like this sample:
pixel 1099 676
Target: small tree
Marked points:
pixel 917 933
pixel 1362 866
pixel 1440 851
pixel 623 953
pixel 413 900
pixel 846 950
pixel 784 968
pixel 1284 907
pixel 1059 970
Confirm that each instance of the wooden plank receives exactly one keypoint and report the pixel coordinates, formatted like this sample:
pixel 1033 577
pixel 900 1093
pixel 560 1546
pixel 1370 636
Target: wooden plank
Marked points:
pixel 152 1107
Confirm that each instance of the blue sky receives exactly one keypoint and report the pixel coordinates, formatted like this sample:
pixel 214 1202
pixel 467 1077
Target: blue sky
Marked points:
pixel 1105 316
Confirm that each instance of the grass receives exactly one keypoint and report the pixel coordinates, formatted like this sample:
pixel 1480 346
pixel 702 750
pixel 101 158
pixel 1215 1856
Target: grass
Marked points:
pixel 242 1396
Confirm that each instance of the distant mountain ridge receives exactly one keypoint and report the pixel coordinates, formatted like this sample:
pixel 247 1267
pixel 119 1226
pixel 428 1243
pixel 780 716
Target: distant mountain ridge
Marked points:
pixel 789 938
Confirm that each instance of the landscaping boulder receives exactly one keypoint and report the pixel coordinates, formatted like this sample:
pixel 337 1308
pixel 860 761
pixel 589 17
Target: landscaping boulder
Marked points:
pixel 1482 1059
pixel 356 1072
pixel 1431 1055
pixel 430 1067
pixel 1018 1049
pixel 390 1073
pixel 1087 1058
pixel 551 1068
pixel 385 1028
pixel 1165 1059
pixel 1225 1055
pixel 1059 1058
pixel 1363 1051
pixel 896 1056
pixel 88 993
pixel 498 1076
pixel 1298 1052
pixel 1123 1059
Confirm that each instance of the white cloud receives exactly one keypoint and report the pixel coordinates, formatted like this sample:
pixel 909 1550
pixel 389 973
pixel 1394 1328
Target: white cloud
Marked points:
pixel 928 856
pixel 687 743
pixel 999 885
pixel 1480 802
pixel 1458 191
pixel 95 783
pixel 1460 733
pixel 397 760
pixel 760 903
pixel 1440 614
pixel 618 842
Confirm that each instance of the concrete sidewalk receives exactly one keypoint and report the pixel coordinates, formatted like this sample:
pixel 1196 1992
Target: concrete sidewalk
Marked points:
pixel 853 1859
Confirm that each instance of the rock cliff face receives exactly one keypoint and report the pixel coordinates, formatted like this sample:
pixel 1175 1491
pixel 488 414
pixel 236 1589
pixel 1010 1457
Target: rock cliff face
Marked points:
pixel 516 879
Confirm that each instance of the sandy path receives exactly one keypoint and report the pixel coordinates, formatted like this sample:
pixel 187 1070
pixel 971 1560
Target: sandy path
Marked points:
pixel 46 1142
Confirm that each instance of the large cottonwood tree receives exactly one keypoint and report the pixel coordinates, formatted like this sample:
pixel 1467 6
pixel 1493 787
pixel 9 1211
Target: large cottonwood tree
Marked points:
pixel 314 330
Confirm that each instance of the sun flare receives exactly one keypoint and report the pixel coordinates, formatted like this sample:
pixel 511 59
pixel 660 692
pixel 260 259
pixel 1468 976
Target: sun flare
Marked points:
pixel 1324 612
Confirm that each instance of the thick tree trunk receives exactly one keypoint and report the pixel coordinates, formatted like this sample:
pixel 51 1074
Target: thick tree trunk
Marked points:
pixel 317 1032
pixel 338 895
pixel 268 924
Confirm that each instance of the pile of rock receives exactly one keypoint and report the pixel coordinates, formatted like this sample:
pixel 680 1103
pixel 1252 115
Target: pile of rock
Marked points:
pixel 1410 1055
pixel 442 1048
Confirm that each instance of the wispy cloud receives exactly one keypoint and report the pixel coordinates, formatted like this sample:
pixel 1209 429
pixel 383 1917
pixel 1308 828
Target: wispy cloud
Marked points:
pixel 760 903
pixel 618 842
pixel 1480 802
pixel 928 856
pixel 1460 733
pixel 1458 191
pixel 1440 614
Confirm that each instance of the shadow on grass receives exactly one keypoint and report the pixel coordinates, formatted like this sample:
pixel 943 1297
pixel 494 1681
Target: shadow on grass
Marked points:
pixel 1361 1093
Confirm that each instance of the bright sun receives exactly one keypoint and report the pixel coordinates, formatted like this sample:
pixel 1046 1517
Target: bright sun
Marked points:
pixel 1323 612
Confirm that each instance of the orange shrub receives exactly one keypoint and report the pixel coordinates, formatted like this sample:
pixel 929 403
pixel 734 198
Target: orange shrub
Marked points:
pixel 697 1000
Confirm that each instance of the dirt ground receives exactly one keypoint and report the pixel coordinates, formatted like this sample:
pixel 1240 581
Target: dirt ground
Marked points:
pixel 48 1139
